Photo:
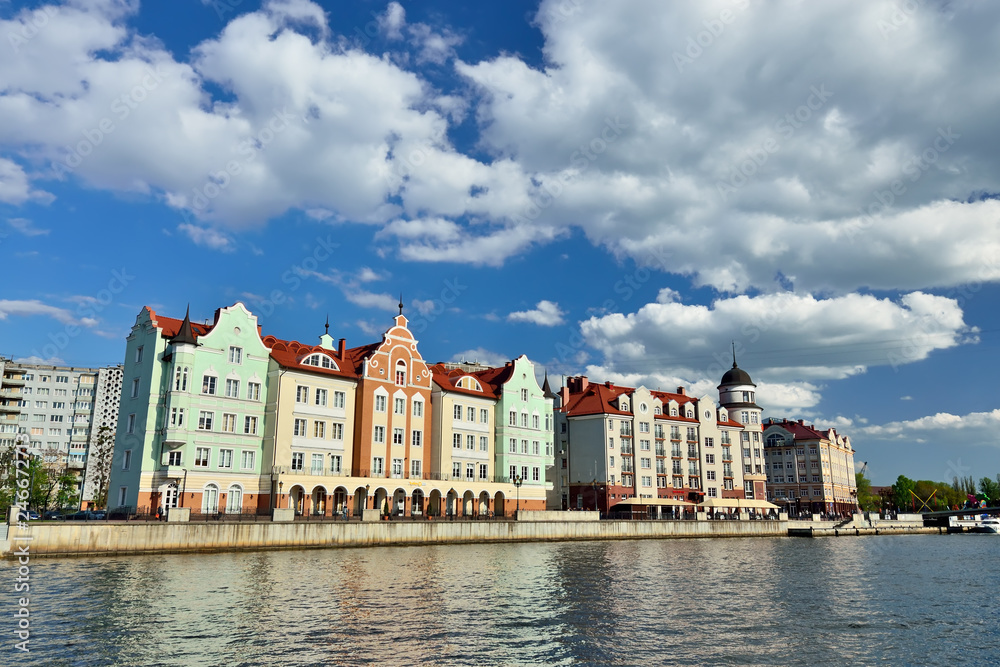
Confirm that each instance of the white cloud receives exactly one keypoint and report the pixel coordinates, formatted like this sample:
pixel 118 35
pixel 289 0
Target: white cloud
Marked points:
pixel 207 237
pixel 545 314
pixel 26 227
pixel 789 343
pixel 974 428
pixel 15 186
pixel 392 21
pixel 31 307
pixel 367 275
pixel 49 361
pixel 367 299
pixel 423 306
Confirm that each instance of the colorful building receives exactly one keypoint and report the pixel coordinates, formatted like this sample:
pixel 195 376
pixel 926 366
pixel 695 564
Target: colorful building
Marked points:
pixel 811 470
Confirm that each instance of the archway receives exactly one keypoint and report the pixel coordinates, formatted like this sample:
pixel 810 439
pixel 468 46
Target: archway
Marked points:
pixel 360 500
pixel 417 503
pixel 339 499
pixel 484 504
pixel 381 498
pixel 234 499
pixel 398 507
pixel 468 501
pixel 451 503
pixel 499 501
pixel 434 503
pixel 318 505
pixel 297 498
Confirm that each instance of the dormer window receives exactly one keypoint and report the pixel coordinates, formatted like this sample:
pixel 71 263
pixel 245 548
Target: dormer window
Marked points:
pixel 320 361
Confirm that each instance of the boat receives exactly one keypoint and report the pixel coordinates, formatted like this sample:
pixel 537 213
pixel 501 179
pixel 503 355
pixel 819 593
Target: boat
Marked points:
pixel 988 525
pixel 985 524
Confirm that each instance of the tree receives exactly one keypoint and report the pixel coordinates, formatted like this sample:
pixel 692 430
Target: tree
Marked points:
pixel 901 492
pixel 990 489
pixel 867 501
pixel 100 460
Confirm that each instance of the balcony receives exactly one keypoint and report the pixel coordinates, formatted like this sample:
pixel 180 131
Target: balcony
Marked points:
pixel 174 436
pixel 12 382
pixel 11 393
pixel 75 465
pixel 10 409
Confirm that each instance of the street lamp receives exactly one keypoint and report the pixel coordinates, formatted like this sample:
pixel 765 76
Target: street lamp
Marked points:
pixel 518 481
pixel 281 486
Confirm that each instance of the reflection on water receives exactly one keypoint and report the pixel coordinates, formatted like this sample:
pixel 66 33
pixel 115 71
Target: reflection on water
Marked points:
pixel 916 599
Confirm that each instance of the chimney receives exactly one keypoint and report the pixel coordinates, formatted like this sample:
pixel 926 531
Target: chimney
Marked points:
pixel 342 348
pixel 802 422
pixel 563 397
pixel 584 383
pixel 680 390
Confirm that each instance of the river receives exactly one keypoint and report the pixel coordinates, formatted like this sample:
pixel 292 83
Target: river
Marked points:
pixel 920 600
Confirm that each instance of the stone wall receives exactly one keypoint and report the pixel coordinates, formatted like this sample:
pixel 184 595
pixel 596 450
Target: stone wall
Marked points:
pixel 99 538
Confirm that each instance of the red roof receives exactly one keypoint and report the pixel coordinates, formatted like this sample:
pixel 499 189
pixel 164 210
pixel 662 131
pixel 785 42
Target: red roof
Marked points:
pixel 170 326
pixel 798 431
pixel 291 354
pixel 446 380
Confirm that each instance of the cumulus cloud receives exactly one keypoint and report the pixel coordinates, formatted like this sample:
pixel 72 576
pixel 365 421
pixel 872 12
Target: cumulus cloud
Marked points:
pixel 974 428
pixel 31 307
pixel 482 356
pixel 789 343
pixel 15 186
pixel 207 237
pixel 26 227
pixel 392 20
pixel 545 314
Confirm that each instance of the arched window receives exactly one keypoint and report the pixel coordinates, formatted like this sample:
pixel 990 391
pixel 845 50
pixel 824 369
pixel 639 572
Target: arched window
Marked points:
pixel 210 499
pixel 320 361
pixel 775 440
pixel 401 373
pixel 234 499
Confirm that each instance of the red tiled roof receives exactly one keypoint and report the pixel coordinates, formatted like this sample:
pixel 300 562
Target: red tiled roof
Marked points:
pixel 798 431
pixel 291 353
pixel 446 380
pixel 171 326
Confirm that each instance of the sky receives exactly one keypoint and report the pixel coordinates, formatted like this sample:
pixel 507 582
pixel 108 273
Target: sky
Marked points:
pixel 624 190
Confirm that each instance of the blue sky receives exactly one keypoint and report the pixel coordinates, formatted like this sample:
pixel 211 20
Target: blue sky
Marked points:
pixel 616 189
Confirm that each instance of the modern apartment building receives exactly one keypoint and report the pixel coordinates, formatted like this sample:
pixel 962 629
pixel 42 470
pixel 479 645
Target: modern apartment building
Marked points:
pixel 107 397
pixel 809 469
pixel 11 394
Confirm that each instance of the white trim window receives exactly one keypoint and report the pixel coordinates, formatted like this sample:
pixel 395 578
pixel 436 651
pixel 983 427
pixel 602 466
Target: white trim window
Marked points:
pixel 415 439
pixel 253 391
pixel 208 383
pixel 232 388
pixel 299 427
pixel 205 419
pixel 321 395
pixel 235 355
pixel 301 394
pixel 201 457
pixel 250 425
pixel 339 399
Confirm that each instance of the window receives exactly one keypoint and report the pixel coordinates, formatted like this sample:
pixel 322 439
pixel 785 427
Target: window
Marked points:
pixel 470 471
pixel 397 468
pixel 709 458
pixel 201 457
pixel 126 459
pixel 301 394
pixel 645 463
pixel 250 425
pixel 130 424
pixel 643 427
pixel 336 464
pixel 378 466
pixel 484 443
pixel 524 394
pixel 299 427
pixel 380 403
pixel 380 434
pixel 535 421
pixel 611 462
pixel 298 460
pixel 611 443
pixel 524 420
pixel 339 399
pixel 401 373
pixel 513 445
pixel 232 388
pixel 644 445
pixel 456 470
pixel 316 466
pixel 399 406
pixel 710 475
pixel 713 492
pixel 246 460
pixel 225 458
pixel 208 384
pixel 174 458
pixel 418 408
pixel 337 431
pixel 321 397
pixel 135 388
pixel 397 436
pixel 205 420
pixel 456 441
pixel 536 447
pixel 415 469
pixel 228 422
pixel 513 473
pixel 512 418
pixel 484 416
pixel 470 442
pixel 319 429
pixel 138 354
pixel 62 378
pixel 415 438
pixel 524 446
pixel 484 471
pixel 235 355
pixel 710 442
pixel 253 391
pixel 535 474
pixel 457 412
pixel 524 472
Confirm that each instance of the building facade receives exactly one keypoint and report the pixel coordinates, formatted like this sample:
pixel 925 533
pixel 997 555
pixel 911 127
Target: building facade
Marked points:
pixel 810 470
pixel 107 398
pixel 11 394
pixel 738 395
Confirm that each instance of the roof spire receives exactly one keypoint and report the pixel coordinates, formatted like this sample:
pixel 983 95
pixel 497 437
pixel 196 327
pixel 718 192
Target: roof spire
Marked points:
pixel 734 354
pixel 327 325
pixel 186 333
pixel 400 303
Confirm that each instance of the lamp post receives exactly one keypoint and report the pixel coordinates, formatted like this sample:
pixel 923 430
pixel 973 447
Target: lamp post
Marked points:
pixel 518 481
pixel 367 487
pixel 281 486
